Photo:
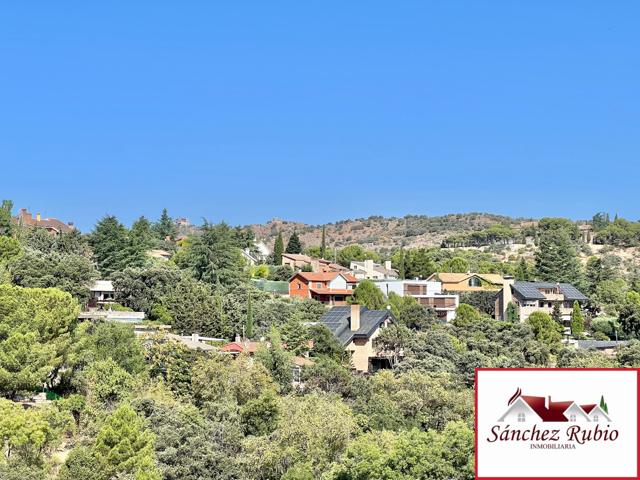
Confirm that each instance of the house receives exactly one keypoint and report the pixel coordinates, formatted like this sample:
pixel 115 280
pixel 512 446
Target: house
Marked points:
pixel 527 408
pixel 299 261
pixel 468 282
pixel 427 293
pixel 102 293
pixel 368 270
pixel 356 327
pixel 529 297
pixel 607 347
pixel 327 287
pixel 113 316
pixel 52 225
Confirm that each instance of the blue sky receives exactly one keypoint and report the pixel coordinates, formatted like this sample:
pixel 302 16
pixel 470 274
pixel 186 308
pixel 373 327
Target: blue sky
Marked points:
pixel 319 111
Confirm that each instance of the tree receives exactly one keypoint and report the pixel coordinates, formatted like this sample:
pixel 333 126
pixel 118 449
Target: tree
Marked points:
pixel 523 270
pixel 215 257
pixel 577 320
pixel 357 253
pixel 455 265
pixel 113 248
pixel 466 316
pixel 143 288
pixel 323 243
pixel 311 433
pixel 249 323
pixel 294 245
pixel 6 223
pixel 82 464
pixel 124 445
pixel 278 249
pixel 277 361
pixel 545 329
pixel 9 249
pixel 165 227
pixel 325 343
pixel 295 335
pixel 69 272
pixel 512 313
pixel 36 327
pixel 630 319
pixel 369 295
pixel 259 416
pixel 401 267
pixel 105 383
pixel 603 404
pixel 556 258
pixel 556 313
pixel 392 341
pixel 142 233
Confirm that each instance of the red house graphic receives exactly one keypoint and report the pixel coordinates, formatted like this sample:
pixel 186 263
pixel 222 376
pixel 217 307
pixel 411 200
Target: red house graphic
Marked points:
pixel 529 408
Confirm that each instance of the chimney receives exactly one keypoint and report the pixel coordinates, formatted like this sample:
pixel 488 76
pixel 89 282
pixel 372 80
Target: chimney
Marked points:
pixel 38 217
pixel 368 266
pixel 507 296
pixel 355 318
pixel 548 405
pixel 387 264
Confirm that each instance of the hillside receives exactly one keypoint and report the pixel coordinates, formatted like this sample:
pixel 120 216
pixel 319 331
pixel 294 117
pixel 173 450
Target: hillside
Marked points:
pixel 384 233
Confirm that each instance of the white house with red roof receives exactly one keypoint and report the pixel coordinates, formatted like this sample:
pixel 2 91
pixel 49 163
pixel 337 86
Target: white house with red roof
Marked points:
pixel 528 408
pixel 327 287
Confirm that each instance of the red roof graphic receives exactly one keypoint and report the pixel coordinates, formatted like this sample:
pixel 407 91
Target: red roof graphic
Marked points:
pixel 588 408
pixel 548 410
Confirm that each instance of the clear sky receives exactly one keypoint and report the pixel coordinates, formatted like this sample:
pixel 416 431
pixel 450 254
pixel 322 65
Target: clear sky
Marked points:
pixel 319 111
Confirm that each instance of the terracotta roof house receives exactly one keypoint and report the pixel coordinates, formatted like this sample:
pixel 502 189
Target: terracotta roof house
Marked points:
pixel 527 408
pixel 332 288
pixel 356 327
pixel 52 225
pixel 238 347
pixel 368 270
pixel 299 261
pixel 529 297
pixel 468 282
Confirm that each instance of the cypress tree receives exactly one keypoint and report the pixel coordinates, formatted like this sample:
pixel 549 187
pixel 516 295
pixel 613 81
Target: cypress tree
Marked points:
pixel 522 270
pixel 248 329
pixel 556 314
pixel 278 249
pixel 294 245
pixel 323 243
pixel 511 313
pixel 6 226
pixel 577 320
pixel 401 267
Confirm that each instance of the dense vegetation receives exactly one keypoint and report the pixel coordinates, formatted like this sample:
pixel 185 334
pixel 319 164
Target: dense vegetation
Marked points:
pixel 126 409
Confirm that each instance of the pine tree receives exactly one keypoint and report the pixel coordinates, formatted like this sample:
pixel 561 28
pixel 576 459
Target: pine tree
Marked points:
pixel 522 270
pixel 401 267
pixel 577 320
pixel 124 445
pixel 278 249
pixel 165 226
pixel 248 328
pixel 142 232
pixel 295 335
pixel 557 260
pixel 603 404
pixel 294 245
pixel 323 243
pixel 113 247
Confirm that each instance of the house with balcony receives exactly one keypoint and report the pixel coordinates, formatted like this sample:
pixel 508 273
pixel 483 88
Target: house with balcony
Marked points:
pixel 427 293
pixel 468 282
pixel 368 270
pixel 529 297
pixel 332 288
pixel 102 294
pixel 356 327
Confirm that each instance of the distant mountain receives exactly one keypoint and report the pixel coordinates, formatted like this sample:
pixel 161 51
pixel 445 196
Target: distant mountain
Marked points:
pixel 383 233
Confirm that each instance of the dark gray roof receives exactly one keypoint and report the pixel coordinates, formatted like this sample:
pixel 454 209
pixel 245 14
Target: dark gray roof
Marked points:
pixel 530 290
pixel 338 320
pixel 600 343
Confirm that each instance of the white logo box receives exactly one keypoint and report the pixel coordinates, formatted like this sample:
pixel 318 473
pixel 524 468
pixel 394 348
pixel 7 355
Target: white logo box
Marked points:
pixel 550 423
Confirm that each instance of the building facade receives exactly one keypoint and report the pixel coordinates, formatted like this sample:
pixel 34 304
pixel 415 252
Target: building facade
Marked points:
pixel 427 293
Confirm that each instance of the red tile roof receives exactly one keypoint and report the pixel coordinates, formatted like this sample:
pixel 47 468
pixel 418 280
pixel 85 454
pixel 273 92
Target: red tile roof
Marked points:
pixel 240 347
pixel 332 291
pixel 555 411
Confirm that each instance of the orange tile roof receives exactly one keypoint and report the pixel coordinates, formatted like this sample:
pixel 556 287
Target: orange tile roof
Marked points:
pixel 318 276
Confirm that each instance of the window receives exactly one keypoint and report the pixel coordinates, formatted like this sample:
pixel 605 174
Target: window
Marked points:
pixel 596 418
pixel 521 417
pixel 299 286
pixel 318 285
pixel 475 282
pixel 572 417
